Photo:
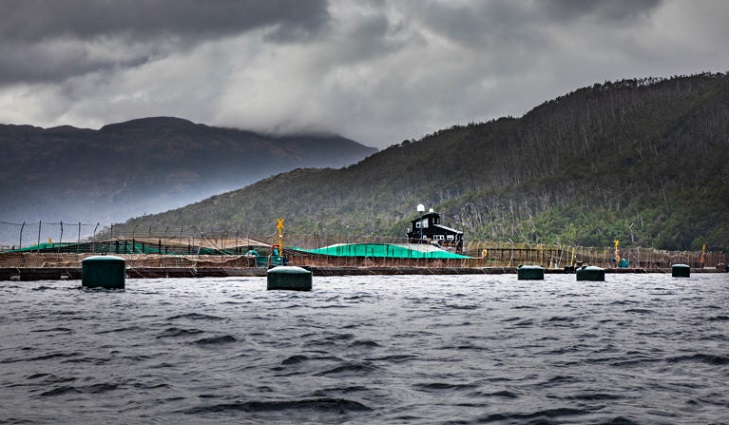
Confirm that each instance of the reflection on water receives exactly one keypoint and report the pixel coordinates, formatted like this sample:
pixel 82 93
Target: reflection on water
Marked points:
pixel 636 349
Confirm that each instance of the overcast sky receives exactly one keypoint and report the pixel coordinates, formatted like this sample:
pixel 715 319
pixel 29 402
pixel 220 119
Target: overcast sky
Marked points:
pixel 376 71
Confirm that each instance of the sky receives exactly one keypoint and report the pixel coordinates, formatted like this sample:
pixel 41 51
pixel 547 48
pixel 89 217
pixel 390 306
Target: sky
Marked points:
pixel 375 71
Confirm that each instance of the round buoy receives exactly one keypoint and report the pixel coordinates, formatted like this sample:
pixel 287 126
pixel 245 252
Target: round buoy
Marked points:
pixel 290 278
pixel 592 273
pixel 530 273
pixel 680 270
pixel 103 271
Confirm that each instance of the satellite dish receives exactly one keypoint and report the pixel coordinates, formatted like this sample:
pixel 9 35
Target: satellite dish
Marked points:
pixel 430 210
pixel 421 208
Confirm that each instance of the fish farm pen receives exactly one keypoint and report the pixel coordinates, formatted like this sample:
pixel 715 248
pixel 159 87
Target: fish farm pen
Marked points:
pixel 169 250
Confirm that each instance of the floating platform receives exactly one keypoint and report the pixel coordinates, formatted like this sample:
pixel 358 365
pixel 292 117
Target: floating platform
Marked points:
pixel 103 271
pixel 681 270
pixel 530 273
pixel 590 273
pixel 289 278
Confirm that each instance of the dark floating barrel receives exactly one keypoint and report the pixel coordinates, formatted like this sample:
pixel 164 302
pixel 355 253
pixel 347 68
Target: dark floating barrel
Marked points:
pixel 290 278
pixel 103 271
pixel 681 270
pixel 530 273
pixel 592 273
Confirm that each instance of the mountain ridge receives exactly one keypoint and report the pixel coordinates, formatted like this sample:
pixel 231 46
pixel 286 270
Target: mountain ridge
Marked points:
pixel 637 160
pixel 145 165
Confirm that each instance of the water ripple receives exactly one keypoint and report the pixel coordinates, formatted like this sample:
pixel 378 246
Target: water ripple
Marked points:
pixel 638 349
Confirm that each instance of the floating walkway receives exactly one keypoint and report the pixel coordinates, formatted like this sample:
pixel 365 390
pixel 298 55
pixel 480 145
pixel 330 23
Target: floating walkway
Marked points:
pixel 74 273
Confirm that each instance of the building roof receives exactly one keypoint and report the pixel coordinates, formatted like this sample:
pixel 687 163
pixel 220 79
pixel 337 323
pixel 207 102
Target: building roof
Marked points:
pixel 446 228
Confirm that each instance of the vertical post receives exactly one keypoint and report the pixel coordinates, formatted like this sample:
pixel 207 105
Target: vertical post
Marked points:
pixel 93 240
pixel 40 224
pixel 21 236
pixel 78 243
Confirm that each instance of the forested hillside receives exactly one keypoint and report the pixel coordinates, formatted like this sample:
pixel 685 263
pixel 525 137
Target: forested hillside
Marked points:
pixel 642 160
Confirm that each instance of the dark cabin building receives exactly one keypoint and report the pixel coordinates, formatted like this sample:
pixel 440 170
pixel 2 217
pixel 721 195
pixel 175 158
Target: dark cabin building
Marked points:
pixel 427 229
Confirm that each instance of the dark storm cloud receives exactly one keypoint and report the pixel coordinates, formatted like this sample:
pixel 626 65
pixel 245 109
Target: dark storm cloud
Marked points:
pixel 611 10
pixel 482 25
pixel 502 24
pixel 37 20
pixel 55 40
pixel 378 71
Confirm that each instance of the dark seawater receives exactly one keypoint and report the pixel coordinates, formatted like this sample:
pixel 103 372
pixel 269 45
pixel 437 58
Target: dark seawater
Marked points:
pixel 636 349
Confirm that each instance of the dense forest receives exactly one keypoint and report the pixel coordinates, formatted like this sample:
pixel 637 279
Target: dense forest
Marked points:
pixel 641 160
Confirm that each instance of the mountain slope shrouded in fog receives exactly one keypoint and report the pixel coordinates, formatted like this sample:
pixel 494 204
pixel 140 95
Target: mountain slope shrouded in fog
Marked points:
pixel 144 166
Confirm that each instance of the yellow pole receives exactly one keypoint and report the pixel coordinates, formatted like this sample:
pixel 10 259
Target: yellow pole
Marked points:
pixel 280 227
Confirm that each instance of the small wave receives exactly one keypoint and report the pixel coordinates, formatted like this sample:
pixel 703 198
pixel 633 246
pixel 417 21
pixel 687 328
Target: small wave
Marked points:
pixel 60 391
pixel 175 332
pixel 16 421
pixel 718 319
pixel 41 358
pixel 620 420
pixel 216 340
pixel 196 316
pixel 350 369
pixel 90 389
pixel 319 404
pixel 560 319
pixel 640 311
pixel 295 359
pixel 462 306
pixel 714 360
pixel 526 323
pixel 90 360
pixel 42 380
pixel 594 397
pixel 328 340
pixel 397 358
pixel 544 416
pixel 466 346
pixel 442 386
pixel 41 288
pixel 125 329
pixel 558 380
pixel 365 344
pixel 341 390
pixel 58 329
pixel 524 307
pixel 623 302
pixel 360 297
pixel 497 394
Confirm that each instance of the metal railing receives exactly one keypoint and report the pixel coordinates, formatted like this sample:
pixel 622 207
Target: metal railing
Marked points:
pixel 43 238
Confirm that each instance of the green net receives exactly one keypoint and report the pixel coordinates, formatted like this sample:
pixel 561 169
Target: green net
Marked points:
pixel 383 251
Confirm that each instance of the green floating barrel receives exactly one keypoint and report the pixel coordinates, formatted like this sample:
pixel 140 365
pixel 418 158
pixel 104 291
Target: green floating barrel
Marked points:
pixel 290 278
pixel 103 271
pixel 681 270
pixel 530 273
pixel 592 273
